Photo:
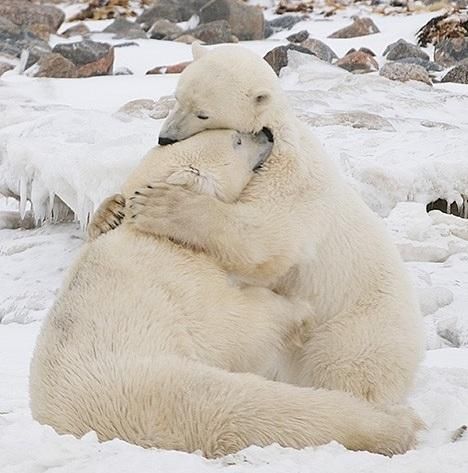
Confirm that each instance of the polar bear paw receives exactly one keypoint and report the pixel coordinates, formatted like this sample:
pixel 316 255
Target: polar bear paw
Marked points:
pixel 108 216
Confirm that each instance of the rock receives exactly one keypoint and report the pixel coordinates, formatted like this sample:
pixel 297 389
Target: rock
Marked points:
pixel 246 21
pixel 284 22
pixel 358 62
pixel 42 19
pixel 123 71
pixel 401 49
pixel 359 27
pixel 450 51
pixel 405 72
pixel 80 29
pixel 13 40
pixel 90 57
pixel 172 10
pixel 299 37
pixel 214 32
pixel 4 67
pixel 319 49
pixel 122 28
pixel 165 29
pixel 147 108
pixel 186 38
pixel 367 51
pixel 428 65
pixel 172 69
pixel 457 74
pixel 55 65
pixel 278 57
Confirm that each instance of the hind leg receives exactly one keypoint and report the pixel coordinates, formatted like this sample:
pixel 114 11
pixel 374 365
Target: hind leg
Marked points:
pixel 362 355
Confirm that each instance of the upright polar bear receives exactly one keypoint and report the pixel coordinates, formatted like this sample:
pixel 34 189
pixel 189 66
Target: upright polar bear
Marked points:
pixel 146 336
pixel 299 229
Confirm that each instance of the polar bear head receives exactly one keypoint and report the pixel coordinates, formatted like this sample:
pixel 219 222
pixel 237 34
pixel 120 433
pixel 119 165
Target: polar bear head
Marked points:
pixel 228 87
pixel 216 162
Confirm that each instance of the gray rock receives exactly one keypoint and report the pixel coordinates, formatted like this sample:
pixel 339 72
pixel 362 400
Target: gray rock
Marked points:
pixel 428 65
pixel 299 37
pixel 123 71
pixel 90 57
pixel 172 10
pixel 165 29
pixel 213 33
pixel 186 38
pixel 55 65
pixel 278 57
pixel 319 49
pixel 402 49
pixel 246 21
pixel 358 62
pixel 359 27
pixel 80 29
pixel 13 40
pixel 458 74
pixel 405 72
pixel 284 22
pixel 122 28
pixel 38 19
pixel 450 51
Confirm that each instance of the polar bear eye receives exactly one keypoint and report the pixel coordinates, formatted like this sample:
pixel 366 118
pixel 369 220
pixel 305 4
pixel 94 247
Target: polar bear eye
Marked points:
pixel 202 117
pixel 239 141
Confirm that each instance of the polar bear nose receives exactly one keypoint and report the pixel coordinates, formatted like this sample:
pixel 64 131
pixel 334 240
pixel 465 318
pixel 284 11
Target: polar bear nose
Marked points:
pixel 163 141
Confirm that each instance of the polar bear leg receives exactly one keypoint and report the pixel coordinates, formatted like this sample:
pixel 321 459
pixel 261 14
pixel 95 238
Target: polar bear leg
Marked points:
pixel 364 355
pixel 175 403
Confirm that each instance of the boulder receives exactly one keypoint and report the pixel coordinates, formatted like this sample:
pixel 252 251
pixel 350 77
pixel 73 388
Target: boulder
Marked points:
pixel 402 49
pixel 298 37
pixel 172 69
pixel 172 10
pixel 359 27
pixel 246 21
pixel 80 29
pixel 4 67
pixel 55 65
pixel 165 29
pixel 320 49
pixel 122 28
pixel 428 65
pixel 214 33
pixel 284 22
pixel 38 19
pixel 458 74
pixel 449 52
pixel 278 57
pixel 358 62
pixel 90 58
pixel 405 72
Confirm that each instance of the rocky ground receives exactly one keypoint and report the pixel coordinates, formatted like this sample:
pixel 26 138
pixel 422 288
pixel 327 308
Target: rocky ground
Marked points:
pixel 39 40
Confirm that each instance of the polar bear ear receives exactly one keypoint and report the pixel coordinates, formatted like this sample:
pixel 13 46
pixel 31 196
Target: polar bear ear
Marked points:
pixel 198 50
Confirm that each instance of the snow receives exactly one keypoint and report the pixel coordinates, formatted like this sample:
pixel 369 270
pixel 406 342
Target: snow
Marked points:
pixel 400 145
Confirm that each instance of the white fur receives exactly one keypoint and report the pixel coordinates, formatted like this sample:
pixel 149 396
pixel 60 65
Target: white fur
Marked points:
pixel 148 340
pixel 300 229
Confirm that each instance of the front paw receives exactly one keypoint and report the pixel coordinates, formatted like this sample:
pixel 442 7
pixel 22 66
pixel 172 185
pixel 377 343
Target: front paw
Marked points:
pixel 163 209
pixel 108 216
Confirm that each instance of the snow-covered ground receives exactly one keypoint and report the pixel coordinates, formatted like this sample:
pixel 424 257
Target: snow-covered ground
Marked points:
pixel 400 145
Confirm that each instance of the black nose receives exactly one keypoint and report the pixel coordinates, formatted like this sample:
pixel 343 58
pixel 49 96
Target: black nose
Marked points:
pixel 268 134
pixel 166 141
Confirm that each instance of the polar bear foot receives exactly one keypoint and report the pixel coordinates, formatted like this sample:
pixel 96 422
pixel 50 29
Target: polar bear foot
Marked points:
pixel 108 216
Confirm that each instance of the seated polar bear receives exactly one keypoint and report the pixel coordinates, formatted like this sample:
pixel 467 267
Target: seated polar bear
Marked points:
pixel 298 228
pixel 149 340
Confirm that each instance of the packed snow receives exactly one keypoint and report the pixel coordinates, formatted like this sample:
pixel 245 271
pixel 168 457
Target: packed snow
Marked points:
pixel 400 145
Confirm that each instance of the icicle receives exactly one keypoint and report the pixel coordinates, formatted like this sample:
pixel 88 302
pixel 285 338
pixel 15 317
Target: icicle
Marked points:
pixel 23 191
pixel 50 206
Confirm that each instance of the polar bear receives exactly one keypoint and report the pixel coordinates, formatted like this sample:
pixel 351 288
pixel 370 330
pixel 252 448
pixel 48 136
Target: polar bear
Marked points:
pixel 149 340
pixel 299 229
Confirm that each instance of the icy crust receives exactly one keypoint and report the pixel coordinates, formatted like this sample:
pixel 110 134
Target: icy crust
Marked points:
pixel 395 141
pixel 77 156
